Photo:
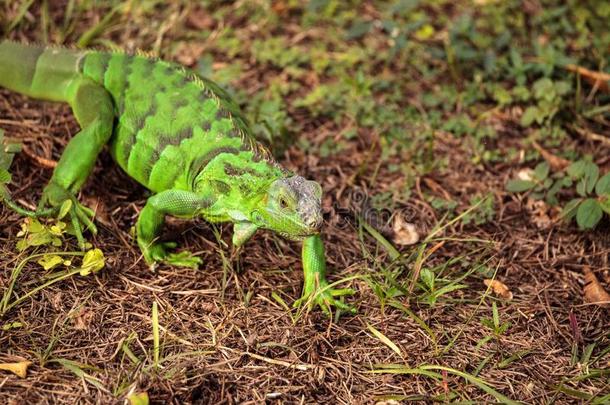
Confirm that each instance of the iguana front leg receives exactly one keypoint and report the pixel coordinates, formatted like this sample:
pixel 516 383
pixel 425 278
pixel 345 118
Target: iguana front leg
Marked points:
pixel 316 289
pixel 178 203
pixel 93 109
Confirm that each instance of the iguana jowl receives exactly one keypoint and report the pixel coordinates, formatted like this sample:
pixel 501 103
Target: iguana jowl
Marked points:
pixel 180 136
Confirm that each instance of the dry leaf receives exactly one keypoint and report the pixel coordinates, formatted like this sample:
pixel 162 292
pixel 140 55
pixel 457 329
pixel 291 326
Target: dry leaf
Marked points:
pixel 593 290
pixel 188 53
pixel 405 233
pixel 539 212
pixel 499 288
pixel 525 174
pixel 557 163
pixel 199 19
pixel 19 369
pixel 83 319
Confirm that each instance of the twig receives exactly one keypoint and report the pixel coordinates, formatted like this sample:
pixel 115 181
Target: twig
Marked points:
pixel 592 136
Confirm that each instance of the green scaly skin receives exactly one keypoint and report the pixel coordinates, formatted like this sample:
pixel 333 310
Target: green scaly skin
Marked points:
pixel 180 136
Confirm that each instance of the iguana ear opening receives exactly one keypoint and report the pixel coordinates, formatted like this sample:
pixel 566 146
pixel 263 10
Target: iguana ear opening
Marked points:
pixel 257 218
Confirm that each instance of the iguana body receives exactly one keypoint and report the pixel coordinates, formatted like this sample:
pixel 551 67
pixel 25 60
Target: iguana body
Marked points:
pixel 177 134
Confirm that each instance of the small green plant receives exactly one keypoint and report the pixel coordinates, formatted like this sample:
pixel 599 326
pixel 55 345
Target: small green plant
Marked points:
pixel 581 178
pixel 92 262
pixel 435 287
pixel 484 213
pixel 497 328
pixel 7 153
pixel 549 97
pixel 34 233
pixel 494 324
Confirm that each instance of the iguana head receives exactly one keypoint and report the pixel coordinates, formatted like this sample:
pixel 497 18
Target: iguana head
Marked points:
pixel 291 208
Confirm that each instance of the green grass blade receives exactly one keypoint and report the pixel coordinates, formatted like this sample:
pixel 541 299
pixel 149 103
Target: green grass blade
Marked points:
pixel 475 381
pixel 392 251
pixel 384 339
pixel 96 30
pixel 77 369
pixel 20 14
pixel 417 319
pixel 427 371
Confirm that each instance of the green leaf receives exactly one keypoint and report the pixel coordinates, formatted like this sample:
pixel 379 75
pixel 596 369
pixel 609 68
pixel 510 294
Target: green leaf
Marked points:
pixel 603 185
pixel 581 187
pixel 589 213
pixel 577 169
pixel 562 88
pixel 78 369
pixel 530 115
pixel 358 29
pixel 551 197
pixel 93 261
pixel 569 211
pixel 7 152
pixel 591 176
pixel 447 289
pixel 544 89
pixel 547 183
pixel 50 261
pixel 427 276
pixel 502 96
pixel 138 398
pixel 541 171
pixel 495 314
pixel 58 229
pixel 519 186
pixel 605 203
pixel 12 325
pixel 34 233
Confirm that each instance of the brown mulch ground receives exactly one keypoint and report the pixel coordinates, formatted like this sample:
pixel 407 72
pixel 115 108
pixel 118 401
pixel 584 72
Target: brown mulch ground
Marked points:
pixel 226 339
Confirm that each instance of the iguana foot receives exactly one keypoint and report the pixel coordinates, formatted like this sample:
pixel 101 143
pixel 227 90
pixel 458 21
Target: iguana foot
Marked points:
pixel 325 297
pixel 157 252
pixel 62 202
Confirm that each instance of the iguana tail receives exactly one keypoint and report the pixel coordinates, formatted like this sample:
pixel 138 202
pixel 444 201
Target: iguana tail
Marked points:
pixel 37 71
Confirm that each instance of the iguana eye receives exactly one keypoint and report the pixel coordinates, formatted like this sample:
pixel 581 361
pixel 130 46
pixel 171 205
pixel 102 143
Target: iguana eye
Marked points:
pixel 283 203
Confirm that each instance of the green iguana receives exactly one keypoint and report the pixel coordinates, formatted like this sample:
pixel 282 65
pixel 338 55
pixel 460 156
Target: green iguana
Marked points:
pixel 180 136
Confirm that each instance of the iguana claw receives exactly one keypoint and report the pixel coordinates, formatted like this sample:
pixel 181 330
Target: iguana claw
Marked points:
pixel 157 252
pixel 325 297
pixel 316 290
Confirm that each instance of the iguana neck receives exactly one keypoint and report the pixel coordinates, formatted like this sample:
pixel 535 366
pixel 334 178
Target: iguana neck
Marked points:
pixel 239 180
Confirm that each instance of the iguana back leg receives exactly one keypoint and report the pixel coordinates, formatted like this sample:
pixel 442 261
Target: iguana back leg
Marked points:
pixel 93 109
